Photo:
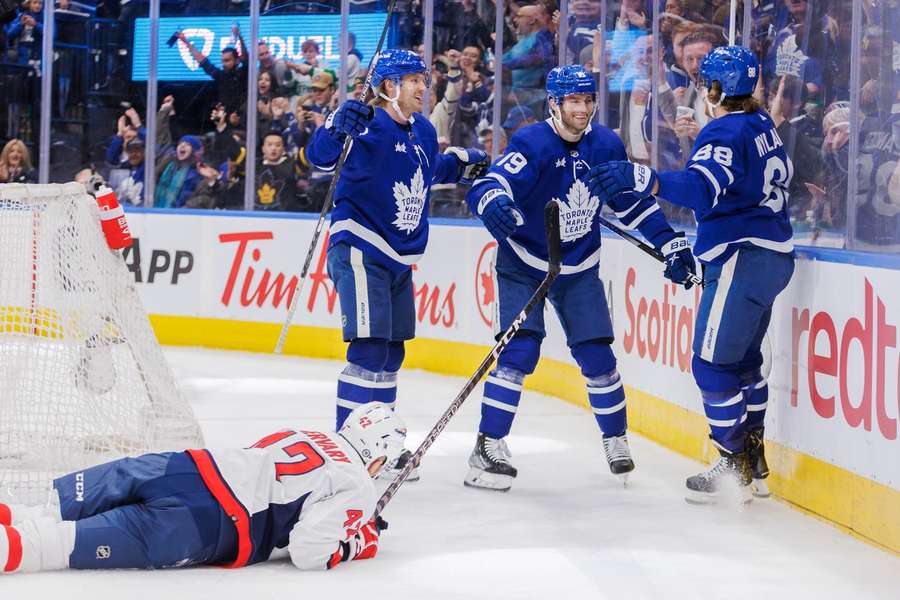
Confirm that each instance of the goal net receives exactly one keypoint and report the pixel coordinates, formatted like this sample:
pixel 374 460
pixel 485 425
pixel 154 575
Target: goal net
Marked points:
pixel 82 377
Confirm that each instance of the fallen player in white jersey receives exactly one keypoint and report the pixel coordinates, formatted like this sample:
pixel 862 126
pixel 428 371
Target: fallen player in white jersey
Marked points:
pixel 304 494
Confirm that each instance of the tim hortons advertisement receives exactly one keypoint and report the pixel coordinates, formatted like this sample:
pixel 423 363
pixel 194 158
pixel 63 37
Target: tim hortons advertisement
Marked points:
pixel 834 377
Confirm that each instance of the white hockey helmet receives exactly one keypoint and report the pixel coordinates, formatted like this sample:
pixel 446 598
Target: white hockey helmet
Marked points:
pixel 374 431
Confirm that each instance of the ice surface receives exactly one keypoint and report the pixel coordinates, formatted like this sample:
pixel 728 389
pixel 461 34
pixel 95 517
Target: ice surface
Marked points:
pixel 567 529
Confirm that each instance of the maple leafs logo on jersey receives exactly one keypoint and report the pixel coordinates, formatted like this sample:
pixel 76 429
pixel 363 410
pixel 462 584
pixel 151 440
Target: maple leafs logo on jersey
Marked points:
pixel 576 214
pixel 789 58
pixel 410 202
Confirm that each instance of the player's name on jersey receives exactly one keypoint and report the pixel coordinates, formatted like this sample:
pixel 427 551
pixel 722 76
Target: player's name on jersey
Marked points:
pixel 764 145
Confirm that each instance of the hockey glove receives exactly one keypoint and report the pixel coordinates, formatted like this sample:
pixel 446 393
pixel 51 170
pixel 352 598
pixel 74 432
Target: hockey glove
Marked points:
pixel 351 118
pixel 680 265
pixel 365 543
pixel 612 178
pixel 498 213
pixel 473 163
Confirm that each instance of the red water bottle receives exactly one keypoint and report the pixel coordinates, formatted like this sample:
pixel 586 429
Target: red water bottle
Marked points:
pixel 112 219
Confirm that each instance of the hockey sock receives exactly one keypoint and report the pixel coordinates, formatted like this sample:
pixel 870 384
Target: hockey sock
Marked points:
pixel 604 385
pixel 502 391
pixel 723 402
pixel 39 545
pixel 607 398
pixel 756 396
pixel 503 386
pixel 386 391
pixel 366 358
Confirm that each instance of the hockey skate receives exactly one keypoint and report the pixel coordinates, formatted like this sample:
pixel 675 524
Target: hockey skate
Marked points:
pixel 618 455
pixel 731 471
pixel 489 466
pixel 759 469
pixel 393 469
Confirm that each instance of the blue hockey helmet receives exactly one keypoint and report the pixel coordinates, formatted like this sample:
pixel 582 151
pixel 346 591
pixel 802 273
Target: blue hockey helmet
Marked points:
pixel 567 80
pixel 394 64
pixel 734 67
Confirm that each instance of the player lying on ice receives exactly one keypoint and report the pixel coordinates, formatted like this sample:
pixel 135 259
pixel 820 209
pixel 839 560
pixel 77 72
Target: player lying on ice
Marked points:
pixel 304 494
pixel 549 161
pixel 737 183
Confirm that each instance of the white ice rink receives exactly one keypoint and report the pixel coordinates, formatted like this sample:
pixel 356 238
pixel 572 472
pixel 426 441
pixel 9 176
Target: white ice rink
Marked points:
pixel 567 529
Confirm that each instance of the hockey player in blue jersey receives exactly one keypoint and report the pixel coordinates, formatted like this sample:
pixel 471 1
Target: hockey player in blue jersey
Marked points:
pixel 379 226
pixel 303 495
pixel 545 161
pixel 736 182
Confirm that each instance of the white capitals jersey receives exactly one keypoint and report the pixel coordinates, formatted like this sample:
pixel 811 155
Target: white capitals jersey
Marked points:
pixel 296 493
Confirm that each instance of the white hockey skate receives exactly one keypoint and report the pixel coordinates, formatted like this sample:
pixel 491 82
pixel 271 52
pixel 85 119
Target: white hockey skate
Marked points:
pixel 489 466
pixel 393 469
pixel 618 455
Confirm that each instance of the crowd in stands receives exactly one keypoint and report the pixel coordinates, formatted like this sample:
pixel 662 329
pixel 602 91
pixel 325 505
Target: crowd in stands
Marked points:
pixel 804 47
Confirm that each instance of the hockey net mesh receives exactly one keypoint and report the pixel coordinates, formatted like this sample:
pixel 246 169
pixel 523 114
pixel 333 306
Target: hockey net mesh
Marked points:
pixel 82 377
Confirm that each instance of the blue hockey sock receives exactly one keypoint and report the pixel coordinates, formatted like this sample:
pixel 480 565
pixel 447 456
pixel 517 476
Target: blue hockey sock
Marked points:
pixel 756 396
pixel 607 398
pixel 356 386
pixel 724 402
pixel 366 358
pixel 502 391
pixel 386 390
pixel 726 413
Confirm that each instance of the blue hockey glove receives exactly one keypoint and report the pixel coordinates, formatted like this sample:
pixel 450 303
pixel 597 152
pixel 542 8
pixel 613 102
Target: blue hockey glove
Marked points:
pixel 351 118
pixel 680 265
pixel 615 177
pixel 473 163
pixel 499 215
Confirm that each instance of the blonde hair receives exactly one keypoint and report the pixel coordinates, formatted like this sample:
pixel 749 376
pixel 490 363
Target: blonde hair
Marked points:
pixel 26 157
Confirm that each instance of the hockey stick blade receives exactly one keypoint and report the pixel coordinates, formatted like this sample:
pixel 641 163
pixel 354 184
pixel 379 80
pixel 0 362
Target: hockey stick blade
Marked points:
pixel 647 248
pixel 329 196
pixel 551 225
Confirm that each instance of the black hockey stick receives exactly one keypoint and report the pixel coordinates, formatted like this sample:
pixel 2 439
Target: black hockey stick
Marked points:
pixel 647 248
pixel 298 288
pixel 551 227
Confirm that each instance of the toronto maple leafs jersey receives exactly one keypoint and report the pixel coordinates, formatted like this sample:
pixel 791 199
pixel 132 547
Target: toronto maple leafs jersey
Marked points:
pixel 293 493
pixel 736 182
pixel 381 197
pixel 540 166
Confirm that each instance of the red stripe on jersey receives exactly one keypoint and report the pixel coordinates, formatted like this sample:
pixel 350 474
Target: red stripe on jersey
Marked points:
pixel 15 549
pixel 5 514
pixel 231 505
pixel 273 438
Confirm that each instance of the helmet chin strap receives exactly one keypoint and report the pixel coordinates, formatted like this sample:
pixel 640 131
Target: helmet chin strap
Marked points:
pixel 395 102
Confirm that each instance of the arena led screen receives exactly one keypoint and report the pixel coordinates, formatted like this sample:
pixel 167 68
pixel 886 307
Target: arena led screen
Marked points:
pixel 210 35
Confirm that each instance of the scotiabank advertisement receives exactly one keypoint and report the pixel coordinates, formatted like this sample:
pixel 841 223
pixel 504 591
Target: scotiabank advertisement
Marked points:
pixel 834 368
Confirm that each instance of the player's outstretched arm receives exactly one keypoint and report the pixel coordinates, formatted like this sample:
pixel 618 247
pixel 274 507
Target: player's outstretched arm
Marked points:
pixel 460 165
pixel 332 530
pixel 685 188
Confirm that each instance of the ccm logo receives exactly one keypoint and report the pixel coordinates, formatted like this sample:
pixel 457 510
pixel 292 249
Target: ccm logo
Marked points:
pixel 79 487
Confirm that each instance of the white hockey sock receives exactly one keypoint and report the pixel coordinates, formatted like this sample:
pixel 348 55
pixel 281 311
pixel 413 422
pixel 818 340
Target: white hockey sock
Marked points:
pixel 10 514
pixel 39 545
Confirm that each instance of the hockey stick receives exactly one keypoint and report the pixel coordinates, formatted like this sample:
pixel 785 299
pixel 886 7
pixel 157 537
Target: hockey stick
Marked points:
pixel 647 248
pixel 329 196
pixel 551 227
